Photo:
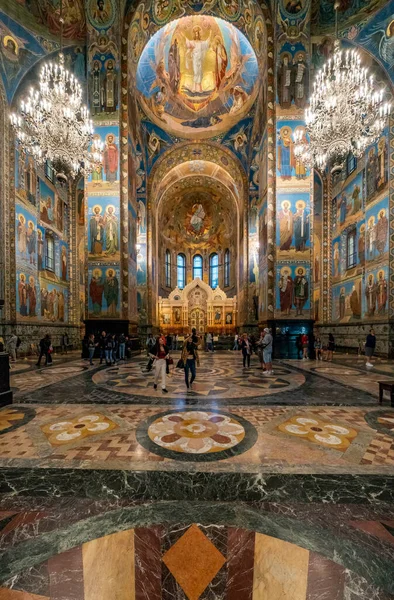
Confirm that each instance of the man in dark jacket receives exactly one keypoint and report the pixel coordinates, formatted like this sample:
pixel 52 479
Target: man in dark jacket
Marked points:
pixel 45 346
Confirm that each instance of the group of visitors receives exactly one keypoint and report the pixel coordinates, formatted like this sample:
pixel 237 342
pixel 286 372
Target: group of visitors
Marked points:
pixel 172 342
pixel 159 353
pixel 263 348
pixel 111 347
pixel 326 351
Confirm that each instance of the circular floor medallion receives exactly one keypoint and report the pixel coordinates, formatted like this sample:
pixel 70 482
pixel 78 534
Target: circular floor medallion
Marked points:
pixel 382 420
pixel 220 376
pixel 13 417
pixel 196 435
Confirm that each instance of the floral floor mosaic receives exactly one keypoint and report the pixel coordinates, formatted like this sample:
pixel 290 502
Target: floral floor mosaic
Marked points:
pixel 133 437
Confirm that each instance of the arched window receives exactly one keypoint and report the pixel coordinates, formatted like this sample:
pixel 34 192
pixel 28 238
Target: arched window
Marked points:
pixel 351 258
pixel 197 266
pixel 227 268
pixel 181 271
pixel 214 270
pixel 168 268
pixel 50 253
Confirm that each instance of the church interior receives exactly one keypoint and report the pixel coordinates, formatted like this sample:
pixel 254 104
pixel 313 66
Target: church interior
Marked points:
pixel 224 167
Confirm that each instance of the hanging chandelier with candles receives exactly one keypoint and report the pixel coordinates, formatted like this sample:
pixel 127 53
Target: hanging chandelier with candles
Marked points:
pixel 53 123
pixel 346 112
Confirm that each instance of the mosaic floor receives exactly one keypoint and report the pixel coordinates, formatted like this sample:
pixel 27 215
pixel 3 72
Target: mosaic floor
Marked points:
pixel 218 377
pixel 249 488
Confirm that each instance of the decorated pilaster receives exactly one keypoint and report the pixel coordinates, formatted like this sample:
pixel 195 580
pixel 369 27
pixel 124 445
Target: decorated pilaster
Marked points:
pixel 107 227
pixel 294 182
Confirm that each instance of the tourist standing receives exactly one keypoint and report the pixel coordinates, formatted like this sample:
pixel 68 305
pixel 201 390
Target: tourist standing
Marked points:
pixel 299 346
pixel 236 338
pixel 122 347
pixel 305 343
pixel 209 342
pixel 160 354
pixel 176 342
pixel 108 349
pixel 370 344
pixel 115 348
pixel 318 348
pixel 190 359
pixel 246 348
pixel 45 350
pixel 101 345
pixel 11 346
pixel 330 347
pixel 150 343
pixel 65 343
pixel 91 347
pixel 267 352
pixel 260 349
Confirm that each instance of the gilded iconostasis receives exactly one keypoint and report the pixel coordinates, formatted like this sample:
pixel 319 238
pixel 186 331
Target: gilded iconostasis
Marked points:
pixel 196 105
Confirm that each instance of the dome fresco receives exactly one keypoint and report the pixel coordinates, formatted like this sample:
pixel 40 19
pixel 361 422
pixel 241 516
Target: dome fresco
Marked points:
pixel 197 76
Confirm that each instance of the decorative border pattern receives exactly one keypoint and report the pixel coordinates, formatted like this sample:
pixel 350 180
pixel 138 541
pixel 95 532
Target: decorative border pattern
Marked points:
pixel 391 219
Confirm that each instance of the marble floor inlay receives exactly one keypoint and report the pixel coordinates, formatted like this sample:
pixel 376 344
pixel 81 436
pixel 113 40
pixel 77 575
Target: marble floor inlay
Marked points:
pixel 196 435
pixel 247 488
pixel 218 377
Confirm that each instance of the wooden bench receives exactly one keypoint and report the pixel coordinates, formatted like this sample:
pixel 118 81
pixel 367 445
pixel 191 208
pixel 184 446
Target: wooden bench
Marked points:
pixel 387 386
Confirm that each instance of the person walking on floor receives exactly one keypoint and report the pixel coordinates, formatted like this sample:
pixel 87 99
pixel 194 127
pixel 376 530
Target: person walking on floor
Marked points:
pixel 246 348
pixel 190 358
pixel 267 352
pixel 160 354
pixel 370 345
pixel 12 346
pixel 45 350
pixel 91 347
pixel 330 347
pixel 122 347
pixel 305 344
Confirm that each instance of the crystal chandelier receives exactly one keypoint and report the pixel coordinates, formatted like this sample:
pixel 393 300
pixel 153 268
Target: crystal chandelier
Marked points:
pixel 53 123
pixel 346 112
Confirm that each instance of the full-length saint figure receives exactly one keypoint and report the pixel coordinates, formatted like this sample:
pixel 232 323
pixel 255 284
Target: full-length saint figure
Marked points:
pixel 111 158
pixel 96 231
pixel 111 292
pixel 195 54
pixel 301 292
pixel 285 291
pixel 174 68
pixel 285 217
pixel 111 231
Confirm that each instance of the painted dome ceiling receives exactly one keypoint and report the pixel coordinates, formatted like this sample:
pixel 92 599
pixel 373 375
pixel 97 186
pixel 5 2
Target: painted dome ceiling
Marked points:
pixel 197 76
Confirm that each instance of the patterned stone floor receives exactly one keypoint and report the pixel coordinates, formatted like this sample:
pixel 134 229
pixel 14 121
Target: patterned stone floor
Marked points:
pixel 219 376
pixel 249 488
pixel 232 438
pixel 349 370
